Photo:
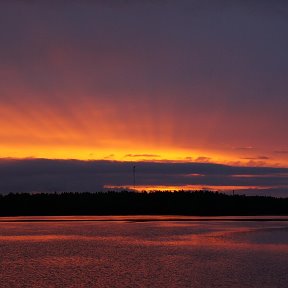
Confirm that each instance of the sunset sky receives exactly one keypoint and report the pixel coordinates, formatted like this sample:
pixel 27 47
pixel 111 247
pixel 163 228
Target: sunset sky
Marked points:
pixel 164 84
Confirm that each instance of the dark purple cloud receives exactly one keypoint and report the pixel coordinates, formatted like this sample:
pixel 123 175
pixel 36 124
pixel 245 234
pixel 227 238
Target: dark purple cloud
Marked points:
pixel 256 158
pixel 43 175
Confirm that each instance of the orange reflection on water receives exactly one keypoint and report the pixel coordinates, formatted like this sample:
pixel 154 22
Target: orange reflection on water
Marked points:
pixel 141 251
pixel 209 233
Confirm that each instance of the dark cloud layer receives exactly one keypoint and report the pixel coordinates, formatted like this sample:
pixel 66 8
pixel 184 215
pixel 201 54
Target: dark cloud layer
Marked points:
pixel 42 175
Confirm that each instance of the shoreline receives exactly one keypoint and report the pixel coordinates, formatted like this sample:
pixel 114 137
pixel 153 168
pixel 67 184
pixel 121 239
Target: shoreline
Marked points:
pixel 141 218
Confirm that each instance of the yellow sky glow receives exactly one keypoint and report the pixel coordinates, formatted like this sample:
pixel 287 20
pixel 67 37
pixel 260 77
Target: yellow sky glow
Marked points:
pixel 87 130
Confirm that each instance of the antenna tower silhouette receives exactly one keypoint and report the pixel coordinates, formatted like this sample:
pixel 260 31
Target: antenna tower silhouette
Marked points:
pixel 134 176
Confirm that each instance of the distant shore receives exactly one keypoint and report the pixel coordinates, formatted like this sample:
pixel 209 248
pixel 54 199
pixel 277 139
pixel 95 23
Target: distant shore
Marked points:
pixel 142 218
pixel 126 203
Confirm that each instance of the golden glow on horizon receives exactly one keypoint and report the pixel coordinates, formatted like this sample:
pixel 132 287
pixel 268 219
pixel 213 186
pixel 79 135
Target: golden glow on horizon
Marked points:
pixel 90 153
pixel 141 188
pixel 121 154
pixel 98 131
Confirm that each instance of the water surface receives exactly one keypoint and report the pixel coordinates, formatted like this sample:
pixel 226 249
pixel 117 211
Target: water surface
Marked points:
pixel 138 251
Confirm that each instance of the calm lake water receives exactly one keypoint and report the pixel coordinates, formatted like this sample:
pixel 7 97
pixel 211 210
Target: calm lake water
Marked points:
pixel 138 252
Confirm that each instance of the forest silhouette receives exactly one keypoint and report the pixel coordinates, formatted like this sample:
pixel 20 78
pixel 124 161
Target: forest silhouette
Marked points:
pixel 144 203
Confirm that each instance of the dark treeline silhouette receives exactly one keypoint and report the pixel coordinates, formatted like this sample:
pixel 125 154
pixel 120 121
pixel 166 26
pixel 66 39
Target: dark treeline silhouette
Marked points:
pixel 131 203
